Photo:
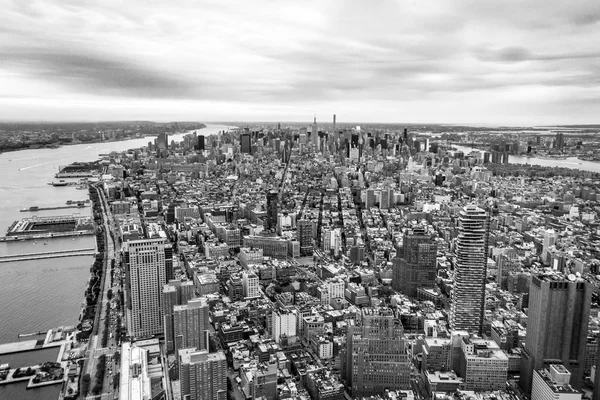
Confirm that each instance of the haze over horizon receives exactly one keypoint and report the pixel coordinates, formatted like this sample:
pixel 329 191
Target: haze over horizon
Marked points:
pixel 525 63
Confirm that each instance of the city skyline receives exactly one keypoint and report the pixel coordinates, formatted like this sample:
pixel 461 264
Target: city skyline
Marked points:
pixel 459 63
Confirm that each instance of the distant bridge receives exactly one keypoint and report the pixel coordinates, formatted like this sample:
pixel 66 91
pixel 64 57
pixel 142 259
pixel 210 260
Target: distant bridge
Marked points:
pixel 48 254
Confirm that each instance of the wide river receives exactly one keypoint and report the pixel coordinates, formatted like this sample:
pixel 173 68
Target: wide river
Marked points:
pixel 38 295
pixel 571 162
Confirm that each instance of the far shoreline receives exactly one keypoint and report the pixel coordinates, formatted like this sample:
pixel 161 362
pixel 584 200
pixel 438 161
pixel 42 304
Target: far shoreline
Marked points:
pixel 57 145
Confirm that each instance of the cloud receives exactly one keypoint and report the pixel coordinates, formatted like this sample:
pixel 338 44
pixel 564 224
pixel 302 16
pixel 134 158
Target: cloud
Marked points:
pixel 264 55
pixel 93 72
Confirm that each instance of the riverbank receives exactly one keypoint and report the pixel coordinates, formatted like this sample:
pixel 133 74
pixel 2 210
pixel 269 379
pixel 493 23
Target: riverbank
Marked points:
pixel 59 144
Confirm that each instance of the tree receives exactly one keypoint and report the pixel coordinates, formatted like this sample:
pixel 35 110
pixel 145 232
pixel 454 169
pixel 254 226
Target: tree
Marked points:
pixel 109 294
pixel 85 384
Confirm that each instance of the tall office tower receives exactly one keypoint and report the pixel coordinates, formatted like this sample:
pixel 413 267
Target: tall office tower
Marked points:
pixel 203 375
pixel 200 144
pixel 146 274
pixel 375 357
pixel 334 124
pixel 245 143
pixel 560 140
pixel 416 267
pixel 557 326
pixel 191 324
pixel 468 296
pixel 272 198
pixel 596 393
pixel 305 237
pixel 162 141
pixel 174 293
pixel 314 132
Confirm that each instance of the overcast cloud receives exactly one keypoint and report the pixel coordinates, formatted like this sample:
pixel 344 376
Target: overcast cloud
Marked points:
pixel 522 62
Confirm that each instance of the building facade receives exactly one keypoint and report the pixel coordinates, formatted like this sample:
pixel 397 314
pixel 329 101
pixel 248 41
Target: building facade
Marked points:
pixel 146 274
pixel 557 326
pixel 468 296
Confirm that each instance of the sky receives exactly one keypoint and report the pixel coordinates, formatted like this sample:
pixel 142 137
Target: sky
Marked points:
pixel 511 62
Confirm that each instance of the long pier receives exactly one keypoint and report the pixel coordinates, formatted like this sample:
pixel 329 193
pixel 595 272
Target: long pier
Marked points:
pixel 48 254
pixel 43 236
pixel 34 209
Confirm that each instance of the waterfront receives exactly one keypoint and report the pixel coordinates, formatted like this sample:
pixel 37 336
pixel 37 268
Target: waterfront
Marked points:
pixel 571 162
pixel 42 294
pixel 29 358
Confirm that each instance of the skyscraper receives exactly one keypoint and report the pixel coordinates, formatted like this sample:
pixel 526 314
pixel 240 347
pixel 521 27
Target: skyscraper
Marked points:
pixel 557 326
pixel 146 274
pixel 416 267
pixel 468 296
pixel 245 143
pixel 272 198
pixel 375 357
pixel 200 144
pixel 174 293
pixel 305 237
pixel 203 375
pixel 314 133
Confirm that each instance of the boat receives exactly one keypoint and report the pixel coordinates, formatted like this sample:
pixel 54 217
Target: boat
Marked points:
pixel 60 183
pixel 32 208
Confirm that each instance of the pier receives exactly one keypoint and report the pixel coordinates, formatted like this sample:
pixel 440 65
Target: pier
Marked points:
pixel 34 209
pixel 48 254
pixel 43 236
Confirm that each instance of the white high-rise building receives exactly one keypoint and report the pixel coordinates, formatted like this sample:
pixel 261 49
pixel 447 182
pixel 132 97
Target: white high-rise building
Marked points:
pixel 146 270
pixel 250 285
pixel 284 323
pixel 553 384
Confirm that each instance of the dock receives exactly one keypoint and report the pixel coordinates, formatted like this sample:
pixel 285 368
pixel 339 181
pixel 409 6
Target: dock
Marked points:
pixel 48 254
pixel 44 236
pixel 38 227
pixel 34 209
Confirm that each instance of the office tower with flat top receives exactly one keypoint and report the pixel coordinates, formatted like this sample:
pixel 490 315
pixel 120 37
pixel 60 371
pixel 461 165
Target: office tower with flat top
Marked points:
pixel 375 359
pixel 416 266
pixel 557 326
pixel 146 274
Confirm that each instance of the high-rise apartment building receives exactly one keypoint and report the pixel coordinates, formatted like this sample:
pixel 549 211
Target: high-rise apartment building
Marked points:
pixel 284 323
pixel 203 375
pixel 416 267
pixel 468 296
pixel 557 326
pixel 174 293
pixel 146 274
pixel 190 325
pixel 375 357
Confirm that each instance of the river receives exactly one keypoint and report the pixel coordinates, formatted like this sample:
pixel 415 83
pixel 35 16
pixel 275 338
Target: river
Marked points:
pixel 38 295
pixel 571 162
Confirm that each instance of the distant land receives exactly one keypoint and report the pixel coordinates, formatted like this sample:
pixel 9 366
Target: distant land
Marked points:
pixel 35 135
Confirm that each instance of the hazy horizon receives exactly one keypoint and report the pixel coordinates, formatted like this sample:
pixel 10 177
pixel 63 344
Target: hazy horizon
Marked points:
pixel 530 63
